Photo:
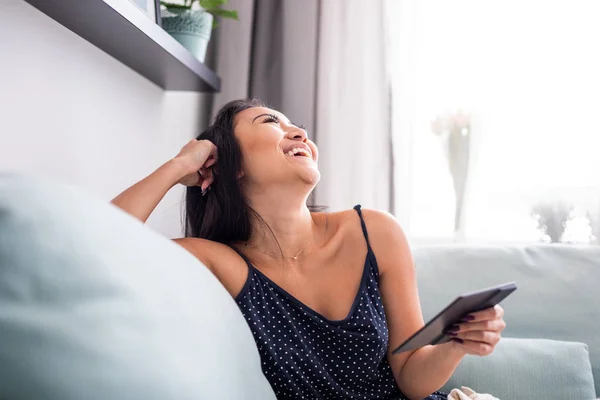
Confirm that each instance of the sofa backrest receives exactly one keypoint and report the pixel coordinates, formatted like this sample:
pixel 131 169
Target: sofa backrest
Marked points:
pixel 558 294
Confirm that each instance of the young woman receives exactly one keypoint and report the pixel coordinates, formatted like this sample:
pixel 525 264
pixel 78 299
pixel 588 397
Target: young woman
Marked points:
pixel 327 296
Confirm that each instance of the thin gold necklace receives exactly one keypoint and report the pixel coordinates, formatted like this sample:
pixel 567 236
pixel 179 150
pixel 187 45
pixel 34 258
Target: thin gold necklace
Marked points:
pixel 279 256
pixel 300 252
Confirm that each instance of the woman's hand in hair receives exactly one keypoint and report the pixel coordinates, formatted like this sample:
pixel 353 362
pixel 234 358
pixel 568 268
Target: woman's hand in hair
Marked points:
pixel 198 157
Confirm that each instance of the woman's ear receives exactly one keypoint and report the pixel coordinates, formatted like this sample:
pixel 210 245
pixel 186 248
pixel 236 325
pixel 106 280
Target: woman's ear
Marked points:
pixel 240 174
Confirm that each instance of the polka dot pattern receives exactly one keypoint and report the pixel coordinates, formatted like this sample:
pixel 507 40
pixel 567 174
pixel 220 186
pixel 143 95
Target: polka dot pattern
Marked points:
pixel 306 356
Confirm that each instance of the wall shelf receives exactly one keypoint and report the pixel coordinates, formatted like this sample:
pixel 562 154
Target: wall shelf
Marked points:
pixel 120 29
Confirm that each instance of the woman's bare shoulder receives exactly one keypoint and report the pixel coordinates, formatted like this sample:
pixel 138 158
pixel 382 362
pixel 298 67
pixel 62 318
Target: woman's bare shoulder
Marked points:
pixel 383 229
pixel 350 220
pixel 344 227
pixel 206 250
pixel 224 262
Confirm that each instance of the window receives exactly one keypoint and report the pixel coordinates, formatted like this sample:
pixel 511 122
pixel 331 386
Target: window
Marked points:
pixel 496 119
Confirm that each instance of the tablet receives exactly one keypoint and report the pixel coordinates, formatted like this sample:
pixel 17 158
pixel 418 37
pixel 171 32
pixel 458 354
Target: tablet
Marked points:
pixel 433 332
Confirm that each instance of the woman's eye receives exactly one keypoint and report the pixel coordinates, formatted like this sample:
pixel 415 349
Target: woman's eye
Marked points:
pixel 271 119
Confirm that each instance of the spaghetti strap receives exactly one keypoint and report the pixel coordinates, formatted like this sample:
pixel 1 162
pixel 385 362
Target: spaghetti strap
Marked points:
pixel 362 224
pixel 371 259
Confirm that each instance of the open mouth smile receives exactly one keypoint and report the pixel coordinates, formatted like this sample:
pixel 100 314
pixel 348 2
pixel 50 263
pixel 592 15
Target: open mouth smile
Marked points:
pixel 298 152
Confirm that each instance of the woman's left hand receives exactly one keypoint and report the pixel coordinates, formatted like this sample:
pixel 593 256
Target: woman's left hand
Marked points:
pixel 479 332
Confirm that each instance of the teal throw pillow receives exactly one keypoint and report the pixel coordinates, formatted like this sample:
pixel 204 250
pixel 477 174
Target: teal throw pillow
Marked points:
pixel 529 369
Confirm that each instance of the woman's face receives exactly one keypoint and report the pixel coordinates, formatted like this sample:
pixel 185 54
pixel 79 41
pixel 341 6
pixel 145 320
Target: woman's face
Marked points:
pixel 274 150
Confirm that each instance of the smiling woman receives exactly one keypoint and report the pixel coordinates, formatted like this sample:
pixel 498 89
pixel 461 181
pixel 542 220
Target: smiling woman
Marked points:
pixel 218 209
pixel 327 296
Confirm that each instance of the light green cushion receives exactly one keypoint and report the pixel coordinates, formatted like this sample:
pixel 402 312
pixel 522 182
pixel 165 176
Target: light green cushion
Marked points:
pixel 529 369
pixel 94 305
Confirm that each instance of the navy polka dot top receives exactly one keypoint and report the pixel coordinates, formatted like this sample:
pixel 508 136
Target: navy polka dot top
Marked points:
pixel 306 356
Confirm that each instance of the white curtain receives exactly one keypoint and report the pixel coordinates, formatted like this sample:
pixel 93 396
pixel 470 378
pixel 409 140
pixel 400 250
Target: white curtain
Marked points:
pixel 517 83
pixel 353 106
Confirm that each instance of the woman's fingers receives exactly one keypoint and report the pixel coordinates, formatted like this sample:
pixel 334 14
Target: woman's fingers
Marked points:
pixel 479 332
pixel 489 337
pixel 474 347
pixel 496 325
pixel 210 162
pixel 206 183
pixel 207 178
pixel 206 173
pixel 496 312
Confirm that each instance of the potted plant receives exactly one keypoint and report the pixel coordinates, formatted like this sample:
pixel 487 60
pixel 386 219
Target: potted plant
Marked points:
pixel 192 26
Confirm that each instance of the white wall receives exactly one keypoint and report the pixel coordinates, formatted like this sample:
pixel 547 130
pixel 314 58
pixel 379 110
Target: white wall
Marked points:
pixel 74 113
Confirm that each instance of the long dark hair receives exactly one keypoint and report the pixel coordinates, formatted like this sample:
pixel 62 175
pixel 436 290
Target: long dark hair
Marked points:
pixel 223 214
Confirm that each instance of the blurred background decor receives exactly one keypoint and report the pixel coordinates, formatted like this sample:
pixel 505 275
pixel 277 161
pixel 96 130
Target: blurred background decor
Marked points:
pixel 552 217
pixel 454 130
pixel 567 214
pixel 192 22
pixel 594 218
pixel 524 144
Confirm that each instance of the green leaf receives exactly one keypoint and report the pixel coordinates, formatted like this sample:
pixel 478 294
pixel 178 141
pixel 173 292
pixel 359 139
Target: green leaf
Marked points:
pixel 218 12
pixel 208 4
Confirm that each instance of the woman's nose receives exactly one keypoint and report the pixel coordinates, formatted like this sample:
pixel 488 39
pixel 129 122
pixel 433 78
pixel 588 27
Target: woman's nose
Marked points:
pixel 296 133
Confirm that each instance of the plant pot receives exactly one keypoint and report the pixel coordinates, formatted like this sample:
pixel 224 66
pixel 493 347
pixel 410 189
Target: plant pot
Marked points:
pixel 191 28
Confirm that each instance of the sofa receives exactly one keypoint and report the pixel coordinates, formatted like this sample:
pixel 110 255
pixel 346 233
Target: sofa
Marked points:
pixel 551 345
pixel 96 305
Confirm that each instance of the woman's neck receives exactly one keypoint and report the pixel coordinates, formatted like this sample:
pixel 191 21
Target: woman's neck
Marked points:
pixel 285 225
